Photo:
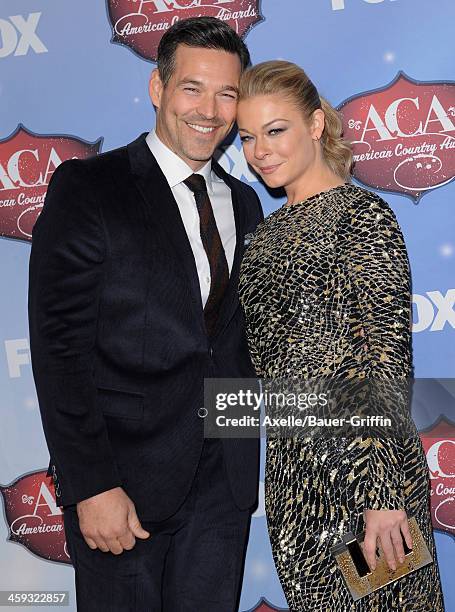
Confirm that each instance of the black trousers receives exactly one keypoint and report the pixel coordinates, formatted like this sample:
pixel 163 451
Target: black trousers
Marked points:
pixel 192 562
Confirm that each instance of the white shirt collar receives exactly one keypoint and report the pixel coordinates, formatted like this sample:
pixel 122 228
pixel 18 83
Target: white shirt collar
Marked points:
pixel 173 167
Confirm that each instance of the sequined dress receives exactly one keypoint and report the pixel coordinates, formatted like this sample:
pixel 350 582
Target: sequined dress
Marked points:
pixel 325 287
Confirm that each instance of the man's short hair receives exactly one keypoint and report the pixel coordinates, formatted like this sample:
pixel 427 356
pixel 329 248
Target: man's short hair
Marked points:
pixel 204 32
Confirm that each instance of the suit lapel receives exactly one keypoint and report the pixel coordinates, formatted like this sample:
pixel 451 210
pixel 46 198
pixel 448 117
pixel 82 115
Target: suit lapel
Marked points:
pixel 160 208
pixel 230 301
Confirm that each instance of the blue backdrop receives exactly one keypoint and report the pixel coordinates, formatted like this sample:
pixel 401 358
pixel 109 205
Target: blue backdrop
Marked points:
pixel 62 75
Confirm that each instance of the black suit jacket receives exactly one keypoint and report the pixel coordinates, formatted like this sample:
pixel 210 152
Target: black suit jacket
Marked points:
pixel 118 344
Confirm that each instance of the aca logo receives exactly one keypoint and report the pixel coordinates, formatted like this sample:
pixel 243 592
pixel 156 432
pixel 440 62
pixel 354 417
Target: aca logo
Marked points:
pixel 33 517
pixel 27 162
pixel 403 136
pixel 264 606
pixel 439 445
pixel 140 24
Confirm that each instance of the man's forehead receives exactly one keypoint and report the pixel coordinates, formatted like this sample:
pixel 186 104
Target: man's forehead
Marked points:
pixel 197 60
pixel 208 82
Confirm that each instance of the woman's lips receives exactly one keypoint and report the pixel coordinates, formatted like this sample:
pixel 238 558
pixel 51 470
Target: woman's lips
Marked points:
pixel 269 169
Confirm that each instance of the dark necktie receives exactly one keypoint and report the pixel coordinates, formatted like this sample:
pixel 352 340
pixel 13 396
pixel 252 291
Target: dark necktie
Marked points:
pixel 211 241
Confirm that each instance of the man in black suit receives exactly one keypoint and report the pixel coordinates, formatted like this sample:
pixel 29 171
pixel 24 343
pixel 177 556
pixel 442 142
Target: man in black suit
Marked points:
pixel 132 303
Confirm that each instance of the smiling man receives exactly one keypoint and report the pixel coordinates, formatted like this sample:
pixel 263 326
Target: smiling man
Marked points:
pixel 132 303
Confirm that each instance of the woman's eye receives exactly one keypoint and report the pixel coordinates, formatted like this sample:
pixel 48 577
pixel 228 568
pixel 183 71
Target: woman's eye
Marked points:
pixel 244 139
pixel 275 131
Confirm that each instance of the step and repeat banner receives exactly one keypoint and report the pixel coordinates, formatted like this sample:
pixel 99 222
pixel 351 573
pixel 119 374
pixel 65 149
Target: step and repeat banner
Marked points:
pixel 73 83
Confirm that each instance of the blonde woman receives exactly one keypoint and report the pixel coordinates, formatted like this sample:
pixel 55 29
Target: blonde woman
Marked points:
pixel 325 286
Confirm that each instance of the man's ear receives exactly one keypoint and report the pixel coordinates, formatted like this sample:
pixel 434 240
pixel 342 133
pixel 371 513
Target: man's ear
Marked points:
pixel 156 88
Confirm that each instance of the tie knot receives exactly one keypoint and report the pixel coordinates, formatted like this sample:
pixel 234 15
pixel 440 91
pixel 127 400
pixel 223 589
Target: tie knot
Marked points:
pixel 196 182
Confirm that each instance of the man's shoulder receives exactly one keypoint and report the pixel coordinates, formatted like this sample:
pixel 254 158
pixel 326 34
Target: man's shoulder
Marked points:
pixel 97 165
pixel 77 183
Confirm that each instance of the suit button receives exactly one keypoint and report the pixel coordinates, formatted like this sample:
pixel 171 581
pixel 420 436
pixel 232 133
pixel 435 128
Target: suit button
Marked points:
pixel 211 352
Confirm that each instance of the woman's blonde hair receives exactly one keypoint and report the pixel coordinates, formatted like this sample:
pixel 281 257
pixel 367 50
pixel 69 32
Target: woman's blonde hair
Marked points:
pixel 289 80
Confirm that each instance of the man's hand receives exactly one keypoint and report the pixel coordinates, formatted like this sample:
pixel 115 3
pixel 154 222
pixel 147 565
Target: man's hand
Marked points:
pixel 108 521
pixel 387 525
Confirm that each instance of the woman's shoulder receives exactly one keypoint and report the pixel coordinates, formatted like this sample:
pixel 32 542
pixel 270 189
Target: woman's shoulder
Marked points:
pixel 361 198
pixel 364 206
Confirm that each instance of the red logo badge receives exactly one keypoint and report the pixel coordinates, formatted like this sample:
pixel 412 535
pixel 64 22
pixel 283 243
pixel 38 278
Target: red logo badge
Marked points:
pixel 439 445
pixel 27 162
pixel 403 136
pixel 264 606
pixel 140 24
pixel 33 517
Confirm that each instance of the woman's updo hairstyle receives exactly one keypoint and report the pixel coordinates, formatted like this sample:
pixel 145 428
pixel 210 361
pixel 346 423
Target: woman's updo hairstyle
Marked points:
pixel 290 81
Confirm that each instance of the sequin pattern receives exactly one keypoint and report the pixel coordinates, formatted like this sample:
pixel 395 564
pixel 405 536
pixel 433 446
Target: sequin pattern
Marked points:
pixel 325 286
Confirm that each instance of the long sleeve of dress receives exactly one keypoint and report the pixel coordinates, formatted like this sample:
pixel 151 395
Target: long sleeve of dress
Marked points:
pixel 378 266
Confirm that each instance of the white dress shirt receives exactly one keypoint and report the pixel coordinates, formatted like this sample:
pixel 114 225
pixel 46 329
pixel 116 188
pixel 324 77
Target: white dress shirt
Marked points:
pixel 176 171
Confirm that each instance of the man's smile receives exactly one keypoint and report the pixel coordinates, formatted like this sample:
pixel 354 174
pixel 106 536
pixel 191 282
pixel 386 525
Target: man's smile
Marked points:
pixel 202 129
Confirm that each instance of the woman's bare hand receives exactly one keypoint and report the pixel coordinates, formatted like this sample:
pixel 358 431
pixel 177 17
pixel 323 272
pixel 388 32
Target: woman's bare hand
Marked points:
pixel 387 526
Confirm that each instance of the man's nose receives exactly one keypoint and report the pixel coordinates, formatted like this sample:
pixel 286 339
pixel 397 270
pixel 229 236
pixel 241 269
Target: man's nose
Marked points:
pixel 207 107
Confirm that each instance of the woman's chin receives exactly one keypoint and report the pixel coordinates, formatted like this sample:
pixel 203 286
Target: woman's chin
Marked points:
pixel 272 181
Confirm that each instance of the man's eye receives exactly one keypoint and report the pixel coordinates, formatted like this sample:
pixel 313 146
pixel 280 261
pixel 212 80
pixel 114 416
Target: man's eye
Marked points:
pixel 229 95
pixel 190 89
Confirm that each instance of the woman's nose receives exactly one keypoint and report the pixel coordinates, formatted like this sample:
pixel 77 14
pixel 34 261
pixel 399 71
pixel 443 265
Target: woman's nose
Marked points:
pixel 260 149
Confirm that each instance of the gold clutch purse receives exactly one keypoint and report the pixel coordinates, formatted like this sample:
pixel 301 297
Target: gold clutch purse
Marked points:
pixel 356 572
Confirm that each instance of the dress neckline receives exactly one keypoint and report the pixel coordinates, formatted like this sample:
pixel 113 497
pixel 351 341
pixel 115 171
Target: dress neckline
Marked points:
pixel 286 208
pixel 318 195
